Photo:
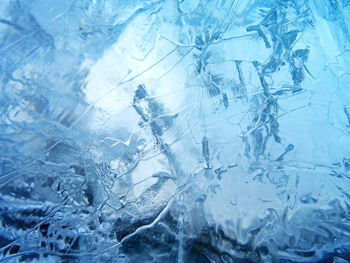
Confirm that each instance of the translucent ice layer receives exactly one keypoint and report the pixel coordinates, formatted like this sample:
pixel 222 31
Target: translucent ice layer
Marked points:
pixel 175 131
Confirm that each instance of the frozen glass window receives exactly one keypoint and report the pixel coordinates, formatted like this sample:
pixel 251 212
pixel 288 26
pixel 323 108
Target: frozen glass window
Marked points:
pixel 175 131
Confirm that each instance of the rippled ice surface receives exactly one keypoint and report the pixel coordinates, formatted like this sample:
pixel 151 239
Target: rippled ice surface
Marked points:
pixel 175 131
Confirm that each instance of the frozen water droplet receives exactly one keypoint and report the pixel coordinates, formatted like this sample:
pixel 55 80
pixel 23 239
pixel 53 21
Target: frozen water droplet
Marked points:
pixel 122 200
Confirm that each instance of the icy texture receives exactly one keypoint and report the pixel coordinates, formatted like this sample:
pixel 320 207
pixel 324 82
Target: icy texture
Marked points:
pixel 175 131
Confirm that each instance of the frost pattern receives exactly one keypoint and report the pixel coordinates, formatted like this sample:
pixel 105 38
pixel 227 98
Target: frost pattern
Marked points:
pixel 175 131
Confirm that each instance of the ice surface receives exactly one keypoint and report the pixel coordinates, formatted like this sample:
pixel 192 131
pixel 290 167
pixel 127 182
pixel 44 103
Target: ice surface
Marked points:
pixel 175 131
